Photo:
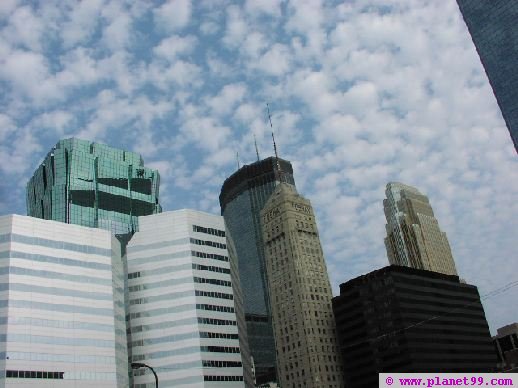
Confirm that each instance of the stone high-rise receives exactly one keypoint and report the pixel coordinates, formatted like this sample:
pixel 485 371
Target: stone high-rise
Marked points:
pixel 414 238
pixel 300 293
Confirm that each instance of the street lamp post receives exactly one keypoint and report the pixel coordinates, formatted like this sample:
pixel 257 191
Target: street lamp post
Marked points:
pixel 138 365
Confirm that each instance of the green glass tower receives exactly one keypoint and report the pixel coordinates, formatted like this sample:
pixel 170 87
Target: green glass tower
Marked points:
pixel 94 185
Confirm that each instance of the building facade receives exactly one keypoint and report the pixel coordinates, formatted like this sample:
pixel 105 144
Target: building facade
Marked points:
pixel 401 319
pixel 62 318
pixel 94 185
pixel 506 345
pixel 300 293
pixel 242 197
pixel 182 318
pixel 414 238
pixel 492 26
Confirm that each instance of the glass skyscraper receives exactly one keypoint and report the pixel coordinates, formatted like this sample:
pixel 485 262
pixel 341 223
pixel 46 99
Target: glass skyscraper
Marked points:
pixel 94 185
pixel 242 198
pixel 492 25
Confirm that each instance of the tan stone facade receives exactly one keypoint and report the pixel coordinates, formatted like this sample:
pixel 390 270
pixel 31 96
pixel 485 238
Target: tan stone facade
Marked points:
pixel 414 238
pixel 300 293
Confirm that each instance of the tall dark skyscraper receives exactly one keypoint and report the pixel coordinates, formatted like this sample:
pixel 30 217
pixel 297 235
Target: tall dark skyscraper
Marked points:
pixel 242 198
pixel 401 319
pixel 492 25
pixel 94 185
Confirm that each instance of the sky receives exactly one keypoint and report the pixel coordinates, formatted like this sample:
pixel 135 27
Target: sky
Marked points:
pixel 362 92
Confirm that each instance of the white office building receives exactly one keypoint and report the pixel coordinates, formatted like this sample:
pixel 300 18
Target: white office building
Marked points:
pixel 181 304
pixel 61 306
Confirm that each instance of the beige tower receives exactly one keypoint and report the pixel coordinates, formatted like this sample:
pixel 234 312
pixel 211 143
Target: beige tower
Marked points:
pixel 414 238
pixel 300 293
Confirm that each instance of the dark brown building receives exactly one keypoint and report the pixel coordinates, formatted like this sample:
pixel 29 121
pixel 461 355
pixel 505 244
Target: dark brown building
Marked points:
pixel 401 319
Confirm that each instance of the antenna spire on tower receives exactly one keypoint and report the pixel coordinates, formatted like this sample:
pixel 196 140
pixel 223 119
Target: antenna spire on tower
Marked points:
pixel 237 157
pixel 256 149
pixel 278 165
pixel 271 126
pixel 274 146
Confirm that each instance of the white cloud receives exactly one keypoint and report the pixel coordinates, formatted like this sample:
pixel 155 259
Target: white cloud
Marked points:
pixel 173 15
pixel 236 27
pixel 170 48
pixel 223 103
pixel 362 93
pixel 81 22
pixel 24 29
pixel 260 7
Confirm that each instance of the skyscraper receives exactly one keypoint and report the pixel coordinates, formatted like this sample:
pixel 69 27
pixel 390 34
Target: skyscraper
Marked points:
pixel 414 238
pixel 400 319
pixel 242 197
pixel 62 319
pixel 181 303
pixel 492 25
pixel 91 184
pixel 300 293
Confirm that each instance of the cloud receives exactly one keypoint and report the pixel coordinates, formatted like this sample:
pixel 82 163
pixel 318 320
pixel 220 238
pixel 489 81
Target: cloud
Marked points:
pixel 361 93
pixel 81 23
pixel 170 48
pixel 223 103
pixel 173 15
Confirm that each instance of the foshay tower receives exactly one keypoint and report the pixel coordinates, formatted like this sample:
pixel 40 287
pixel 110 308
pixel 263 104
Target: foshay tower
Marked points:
pixel 300 293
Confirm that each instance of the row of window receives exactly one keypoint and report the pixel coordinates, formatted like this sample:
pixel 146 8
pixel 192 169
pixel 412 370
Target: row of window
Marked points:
pixel 184 266
pixel 56 324
pixel 212 294
pixel 223 378
pixel 214 321
pixel 215 282
pixel 13 237
pixel 209 256
pixel 163 325
pixel 208 243
pixel 162 311
pixel 55 291
pixel 161 257
pixel 40 339
pixel 164 283
pixel 157 245
pixel 66 308
pixel 76 375
pixel 174 282
pixel 210 268
pixel 75 358
pixel 219 349
pixel 157 298
pixel 210 307
pixel 184 351
pixel 181 337
pixel 209 334
pixel 221 364
pixel 214 232
pixel 54 275
pixel 56 260
pixel 33 374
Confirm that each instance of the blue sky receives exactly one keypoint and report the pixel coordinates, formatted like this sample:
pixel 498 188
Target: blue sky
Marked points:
pixel 362 92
